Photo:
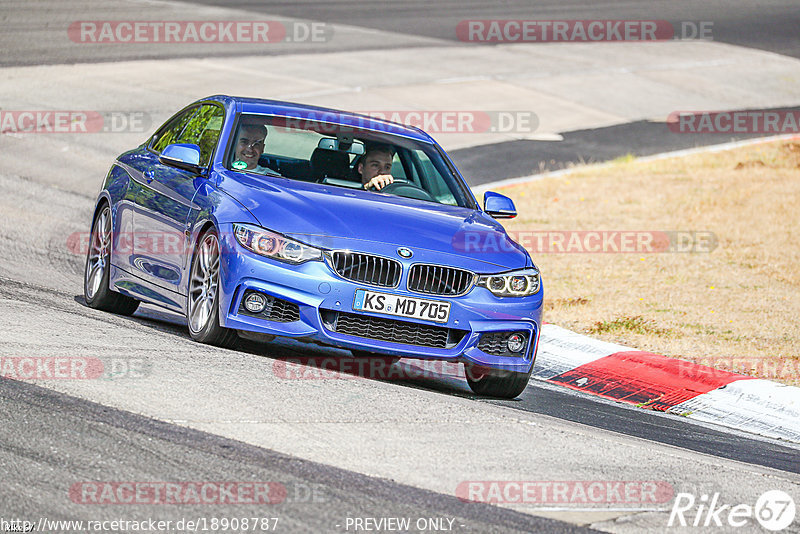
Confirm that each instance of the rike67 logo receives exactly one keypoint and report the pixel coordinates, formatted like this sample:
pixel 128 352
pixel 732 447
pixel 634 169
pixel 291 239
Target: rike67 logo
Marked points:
pixel 774 510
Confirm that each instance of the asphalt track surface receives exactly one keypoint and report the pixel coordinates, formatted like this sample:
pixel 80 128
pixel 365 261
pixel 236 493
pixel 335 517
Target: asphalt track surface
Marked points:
pixel 547 399
pixel 49 439
pixel 33 34
pixel 542 398
pixel 317 498
pixel 768 25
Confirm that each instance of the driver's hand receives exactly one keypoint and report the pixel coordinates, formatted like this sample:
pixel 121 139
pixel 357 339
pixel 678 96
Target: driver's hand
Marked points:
pixel 380 181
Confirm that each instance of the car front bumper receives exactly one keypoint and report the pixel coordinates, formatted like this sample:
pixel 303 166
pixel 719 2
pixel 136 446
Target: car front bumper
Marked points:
pixel 322 299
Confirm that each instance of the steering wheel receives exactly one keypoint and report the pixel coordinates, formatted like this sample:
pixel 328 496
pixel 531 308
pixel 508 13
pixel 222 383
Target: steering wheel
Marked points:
pixel 403 188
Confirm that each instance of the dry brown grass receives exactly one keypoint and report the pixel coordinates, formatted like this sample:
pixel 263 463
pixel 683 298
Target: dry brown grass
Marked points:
pixel 735 308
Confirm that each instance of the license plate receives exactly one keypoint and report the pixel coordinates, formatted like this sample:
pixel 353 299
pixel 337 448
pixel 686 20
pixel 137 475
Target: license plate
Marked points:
pixel 401 306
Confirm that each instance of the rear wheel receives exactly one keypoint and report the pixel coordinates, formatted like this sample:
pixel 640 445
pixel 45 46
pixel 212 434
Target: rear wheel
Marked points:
pixel 98 270
pixel 495 382
pixel 203 305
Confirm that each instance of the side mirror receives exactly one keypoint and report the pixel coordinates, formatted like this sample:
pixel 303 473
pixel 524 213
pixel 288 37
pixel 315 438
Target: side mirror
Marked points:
pixel 182 156
pixel 498 206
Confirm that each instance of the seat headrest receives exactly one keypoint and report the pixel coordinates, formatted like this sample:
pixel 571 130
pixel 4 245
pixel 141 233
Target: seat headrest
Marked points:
pixel 331 163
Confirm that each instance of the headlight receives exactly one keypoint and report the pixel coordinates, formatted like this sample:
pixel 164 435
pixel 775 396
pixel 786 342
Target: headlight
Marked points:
pixel 274 245
pixel 512 284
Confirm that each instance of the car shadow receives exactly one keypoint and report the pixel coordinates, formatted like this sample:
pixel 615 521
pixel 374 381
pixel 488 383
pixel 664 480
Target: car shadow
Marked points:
pixel 298 360
pixel 153 317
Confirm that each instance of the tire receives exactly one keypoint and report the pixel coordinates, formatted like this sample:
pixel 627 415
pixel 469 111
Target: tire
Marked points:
pixel 496 383
pixel 366 355
pixel 97 270
pixel 203 300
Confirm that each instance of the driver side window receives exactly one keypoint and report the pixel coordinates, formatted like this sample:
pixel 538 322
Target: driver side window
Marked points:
pixel 198 126
pixel 203 130
pixel 170 133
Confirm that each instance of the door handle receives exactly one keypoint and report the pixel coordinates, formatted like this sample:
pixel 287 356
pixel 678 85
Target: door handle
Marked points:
pixel 148 175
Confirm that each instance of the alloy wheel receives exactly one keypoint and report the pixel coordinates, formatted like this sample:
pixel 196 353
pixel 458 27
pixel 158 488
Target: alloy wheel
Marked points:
pixel 99 253
pixel 203 283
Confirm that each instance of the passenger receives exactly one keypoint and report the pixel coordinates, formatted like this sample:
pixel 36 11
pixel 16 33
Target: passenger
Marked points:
pixel 249 147
pixel 375 166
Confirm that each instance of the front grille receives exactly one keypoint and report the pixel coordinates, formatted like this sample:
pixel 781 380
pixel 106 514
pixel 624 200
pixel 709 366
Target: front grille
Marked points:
pixel 277 310
pixel 392 330
pixel 439 280
pixel 366 268
pixel 495 343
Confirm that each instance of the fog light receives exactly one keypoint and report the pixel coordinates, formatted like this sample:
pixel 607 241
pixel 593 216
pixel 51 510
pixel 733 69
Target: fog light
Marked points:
pixel 255 302
pixel 516 342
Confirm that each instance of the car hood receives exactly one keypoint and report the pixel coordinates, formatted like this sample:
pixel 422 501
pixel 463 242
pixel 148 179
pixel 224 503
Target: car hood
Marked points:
pixel 338 218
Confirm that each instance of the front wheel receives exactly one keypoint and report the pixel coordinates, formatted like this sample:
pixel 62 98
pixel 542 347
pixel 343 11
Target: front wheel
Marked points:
pixel 496 383
pixel 203 305
pixel 98 270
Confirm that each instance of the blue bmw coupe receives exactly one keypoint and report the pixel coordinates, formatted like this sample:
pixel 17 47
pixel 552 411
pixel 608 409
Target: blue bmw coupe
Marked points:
pixel 258 217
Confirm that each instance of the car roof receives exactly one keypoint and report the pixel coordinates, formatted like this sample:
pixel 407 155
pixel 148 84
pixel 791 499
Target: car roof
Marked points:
pixel 316 113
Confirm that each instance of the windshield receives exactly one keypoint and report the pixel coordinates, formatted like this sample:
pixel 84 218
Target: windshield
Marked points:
pixel 343 156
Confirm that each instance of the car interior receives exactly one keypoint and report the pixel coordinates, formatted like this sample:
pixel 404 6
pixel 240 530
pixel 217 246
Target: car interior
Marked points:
pixel 332 158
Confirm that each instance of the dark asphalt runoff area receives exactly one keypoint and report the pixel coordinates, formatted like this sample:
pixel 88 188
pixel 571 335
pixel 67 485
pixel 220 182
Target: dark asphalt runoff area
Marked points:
pixel 512 159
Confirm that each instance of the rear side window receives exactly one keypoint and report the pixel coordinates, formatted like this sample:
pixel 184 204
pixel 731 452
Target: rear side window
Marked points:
pixel 398 171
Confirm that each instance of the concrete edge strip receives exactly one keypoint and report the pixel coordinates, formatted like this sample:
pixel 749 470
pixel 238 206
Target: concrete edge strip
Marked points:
pixel 657 382
pixel 655 157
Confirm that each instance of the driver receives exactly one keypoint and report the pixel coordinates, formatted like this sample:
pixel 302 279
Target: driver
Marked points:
pixel 375 166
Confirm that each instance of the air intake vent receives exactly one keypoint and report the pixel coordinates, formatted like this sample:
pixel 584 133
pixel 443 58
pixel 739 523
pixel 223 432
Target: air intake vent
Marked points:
pixel 393 331
pixel 278 310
